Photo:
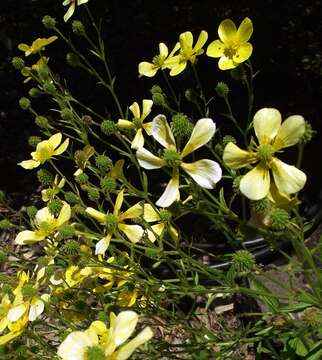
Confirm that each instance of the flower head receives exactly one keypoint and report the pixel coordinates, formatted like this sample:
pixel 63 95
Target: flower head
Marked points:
pixel 72 5
pixel 36 46
pixel 115 222
pixel 205 172
pixel 188 52
pixel 233 47
pixel 137 122
pixel 109 342
pixel 46 150
pixel 46 225
pixel 272 137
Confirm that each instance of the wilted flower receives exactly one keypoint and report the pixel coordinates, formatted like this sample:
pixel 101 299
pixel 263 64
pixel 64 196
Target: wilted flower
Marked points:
pixel 107 342
pixel 36 46
pixel 272 137
pixel 45 150
pixel 72 5
pixel 137 122
pixel 205 172
pixel 233 47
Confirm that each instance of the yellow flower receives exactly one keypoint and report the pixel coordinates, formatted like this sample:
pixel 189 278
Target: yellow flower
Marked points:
pixel 36 46
pixel 137 122
pixel 272 136
pixel 115 222
pixel 109 342
pixel 188 52
pixel 206 173
pixel 72 5
pixel 45 150
pixel 158 62
pixel 46 225
pixel 40 64
pixel 233 47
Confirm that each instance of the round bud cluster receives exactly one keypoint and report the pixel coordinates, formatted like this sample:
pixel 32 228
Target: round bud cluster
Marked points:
pixel 222 89
pixel 156 89
pixel 48 22
pixel 73 60
pixel 49 87
pixel 158 99
pixel 24 103
pixel 17 62
pixel 243 261
pixel 67 231
pixel 5 224
pixel 42 122
pixel 308 133
pixel 82 178
pixel 108 127
pixel 103 162
pixel 72 198
pixel 93 194
pixel 279 219
pixel 219 149
pixel 181 125
pixel 54 206
pixel 228 139
pixel 78 28
pixel 78 209
pixel 34 141
pixel 312 316
pixel 165 215
pixel 34 92
pixel 108 184
pixel 71 247
pixel 260 206
pixel 66 114
pixel 45 177
pixel 32 211
pixel 28 291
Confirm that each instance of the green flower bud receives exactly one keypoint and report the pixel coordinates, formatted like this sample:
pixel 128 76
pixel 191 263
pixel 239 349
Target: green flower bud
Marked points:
pixel 219 149
pixel 25 103
pixel 227 139
pixel 34 92
pixel 34 140
pixel 243 261
pixel 45 177
pixel 48 22
pixel 191 95
pixel 78 28
pixel 308 133
pixel 82 178
pixel 28 291
pixel 103 162
pixel 67 231
pixel 72 198
pixel 73 60
pixel 18 63
pixel 94 353
pixel 108 127
pixel 55 206
pixel 158 99
pixel 66 114
pixel 279 219
pixel 313 317
pixel 108 184
pixel 93 194
pixel 71 247
pixel 49 87
pixel 222 89
pixel 5 224
pixel 260 206
pixel 42 122
pixel 156 89
pixel 181 125
pixel 236 184
pixel 78 209
pixel 32 211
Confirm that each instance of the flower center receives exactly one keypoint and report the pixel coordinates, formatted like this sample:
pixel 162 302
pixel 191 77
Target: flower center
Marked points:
pixel 172 157
pixel 265 152
pixel 229 52
pixel 157 60
pixel 111 222
pixel 94 353
pixel 137 123
pixel 44 153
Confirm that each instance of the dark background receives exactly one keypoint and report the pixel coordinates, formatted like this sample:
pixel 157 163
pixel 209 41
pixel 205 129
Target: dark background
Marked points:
pixel 287 51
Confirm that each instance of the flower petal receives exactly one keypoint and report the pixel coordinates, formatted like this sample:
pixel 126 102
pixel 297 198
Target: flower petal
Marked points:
pixel 138 140
pixel 288 178
pixel 267 122
pixel 243 53
pixel 147 69
pixel 146 108
pixel 202 132
pixel 103 244
pixel 64 215
pixel 133 212
pixel 69 12
pixel 186 40
pixel 125 124
pixel 135 110
pixel 156 229
pixel 236 158
pixel 55 140
pixel 163 50
pixel 177 67
pixel 16 312
pixel 162 133
pixel 227 31
pixel 203 37
pixel 245 30
pixel 148 128
pixel 225 63
pixel 149 161
pixel 28 237
pixel 290 132
pixel 171 193
pixel 118 202
pixel 215 49
pixel 125 324
pixel 36 308
pixel 99 216
pixel 255 184
pixel 62 147
pixel 205 173
pixel 150 215
pixel 133 232
pixel 29 164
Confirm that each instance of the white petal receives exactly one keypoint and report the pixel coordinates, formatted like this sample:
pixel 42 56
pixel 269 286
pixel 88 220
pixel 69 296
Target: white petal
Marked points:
pixel 267 122
pixel 27 236
pixel 255 184
pixel 162 133
pixel 206 173
pixel 102 245
pixel 171 193
pixel 149 161
pixel 203 131
pixel 36 308
pixel 16 312
pixel 125 324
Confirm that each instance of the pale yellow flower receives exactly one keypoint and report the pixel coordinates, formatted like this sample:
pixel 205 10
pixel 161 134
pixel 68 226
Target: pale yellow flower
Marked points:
pixel 37 45
pixel 72 6
pixel 115 222
pixel 187 53
pixel 205 172
pixel 159 61
pixel 45 150
pixel 110 342
pixel 233 47
pixel 40 64
pixel 137 122
pixel 46 225
pixel 272 137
